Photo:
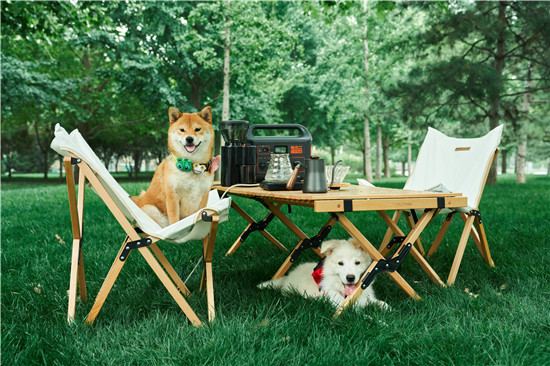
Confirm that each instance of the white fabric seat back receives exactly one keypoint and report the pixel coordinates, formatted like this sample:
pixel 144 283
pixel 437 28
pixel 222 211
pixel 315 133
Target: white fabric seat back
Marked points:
pixel 184 230
pixel 454 164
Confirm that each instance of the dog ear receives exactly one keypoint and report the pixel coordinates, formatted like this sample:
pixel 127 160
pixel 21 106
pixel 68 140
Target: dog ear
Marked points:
pixel 173 114
pixel 206 114
pixel 328 246
pixel 356 244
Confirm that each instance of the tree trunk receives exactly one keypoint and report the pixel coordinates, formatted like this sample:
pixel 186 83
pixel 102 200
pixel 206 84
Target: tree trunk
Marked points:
pixel 226 84
pixel 367 164
pixel 385 153
pixel 503 156
pixel 409 155
pixel 522 134
pixel 61 166
pixel 378 152
pixel 500 55
pixel 137 163
pixel 196 89
pixel 403 167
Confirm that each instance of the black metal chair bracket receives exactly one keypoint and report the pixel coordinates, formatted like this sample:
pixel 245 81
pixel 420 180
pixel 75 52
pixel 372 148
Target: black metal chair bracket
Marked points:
pixel 205 217
pixel 477 214
pixel 386 265
pixel 134 245
pixel 311 243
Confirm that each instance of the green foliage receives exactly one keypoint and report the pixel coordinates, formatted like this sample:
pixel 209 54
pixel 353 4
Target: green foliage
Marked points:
pixel 112 69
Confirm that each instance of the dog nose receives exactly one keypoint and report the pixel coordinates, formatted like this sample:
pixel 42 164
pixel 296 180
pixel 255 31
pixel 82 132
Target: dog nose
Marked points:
pixel 189 140
pixel 350 278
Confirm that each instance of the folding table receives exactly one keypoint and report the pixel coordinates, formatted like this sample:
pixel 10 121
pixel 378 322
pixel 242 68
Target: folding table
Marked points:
pixel 336 203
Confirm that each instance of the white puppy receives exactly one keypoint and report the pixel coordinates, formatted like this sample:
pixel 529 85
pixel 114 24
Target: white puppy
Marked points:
pixel 335 277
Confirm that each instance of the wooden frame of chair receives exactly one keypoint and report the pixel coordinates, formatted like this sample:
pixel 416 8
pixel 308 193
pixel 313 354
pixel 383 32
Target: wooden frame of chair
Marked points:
pixel 473 226
pixel 146 245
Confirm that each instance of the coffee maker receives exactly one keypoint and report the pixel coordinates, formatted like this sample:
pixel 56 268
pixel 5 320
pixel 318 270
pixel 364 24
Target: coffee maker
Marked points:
pixel 238 159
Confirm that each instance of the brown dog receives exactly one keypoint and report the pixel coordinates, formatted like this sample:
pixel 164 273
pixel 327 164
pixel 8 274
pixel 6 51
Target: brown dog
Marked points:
pixel 182 181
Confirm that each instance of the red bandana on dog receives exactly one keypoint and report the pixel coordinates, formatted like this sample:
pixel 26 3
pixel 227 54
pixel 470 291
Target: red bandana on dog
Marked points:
pixel 318 278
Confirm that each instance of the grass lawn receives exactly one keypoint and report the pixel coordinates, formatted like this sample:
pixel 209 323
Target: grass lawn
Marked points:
pixel 496 316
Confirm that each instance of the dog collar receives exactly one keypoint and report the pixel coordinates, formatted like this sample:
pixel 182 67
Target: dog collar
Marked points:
pixel 186 165
pixel 318 277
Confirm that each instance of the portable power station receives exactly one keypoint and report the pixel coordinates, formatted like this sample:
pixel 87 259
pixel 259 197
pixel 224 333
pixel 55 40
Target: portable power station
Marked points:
pixel 291 139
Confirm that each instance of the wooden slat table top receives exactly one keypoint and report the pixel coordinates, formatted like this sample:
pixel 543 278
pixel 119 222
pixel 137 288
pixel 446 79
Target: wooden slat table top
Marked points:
pixel 353 192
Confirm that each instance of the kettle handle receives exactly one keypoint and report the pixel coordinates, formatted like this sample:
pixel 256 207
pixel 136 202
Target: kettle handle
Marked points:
pixel 332 175
pixel 293 176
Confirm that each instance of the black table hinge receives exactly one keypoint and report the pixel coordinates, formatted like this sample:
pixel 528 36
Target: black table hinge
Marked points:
pixel 75 161
pixel 311 243
pixel 477 214
pixel 260 225
pixel 134 245
pixel 383 265
pixel 450 215
pixel 395 240
pixel 414 216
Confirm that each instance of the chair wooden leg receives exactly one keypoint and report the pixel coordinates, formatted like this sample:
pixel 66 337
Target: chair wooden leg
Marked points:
pixel 76 206
pixel 484 244
pixel 73 280
pixel 169 269
pixel 474 234
pixel 107 285
pixel 440 234
pixel 460 250
pixel 207 280
pixel 412 224
pixel 172 289
pixel 82 278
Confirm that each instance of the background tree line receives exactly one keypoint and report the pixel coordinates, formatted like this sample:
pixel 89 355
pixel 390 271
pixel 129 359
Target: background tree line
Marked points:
pixel 369 76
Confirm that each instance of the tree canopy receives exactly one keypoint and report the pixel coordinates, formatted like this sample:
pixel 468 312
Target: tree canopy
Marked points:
pixel 346 70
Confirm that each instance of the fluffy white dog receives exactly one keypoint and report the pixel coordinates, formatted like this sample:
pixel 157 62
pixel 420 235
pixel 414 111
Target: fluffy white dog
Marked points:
pixel 335 277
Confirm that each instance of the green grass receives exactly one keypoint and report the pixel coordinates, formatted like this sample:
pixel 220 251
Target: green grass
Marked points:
pixel 508 323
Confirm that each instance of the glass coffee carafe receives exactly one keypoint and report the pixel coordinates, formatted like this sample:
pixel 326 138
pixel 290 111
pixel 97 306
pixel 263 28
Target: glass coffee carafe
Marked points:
pixel 279 169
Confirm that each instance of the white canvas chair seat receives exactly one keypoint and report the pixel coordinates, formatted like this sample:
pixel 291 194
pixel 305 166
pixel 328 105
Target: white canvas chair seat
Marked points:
pixel 201 225
pixel 458 165
pixel 180 232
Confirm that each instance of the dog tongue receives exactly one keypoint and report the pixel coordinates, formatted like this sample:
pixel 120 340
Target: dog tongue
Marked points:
pixel 190 148
pixel 349 289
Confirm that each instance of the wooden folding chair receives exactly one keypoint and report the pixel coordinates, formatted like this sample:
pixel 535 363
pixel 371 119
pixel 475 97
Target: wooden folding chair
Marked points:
pixel 142 233
pixel 448 164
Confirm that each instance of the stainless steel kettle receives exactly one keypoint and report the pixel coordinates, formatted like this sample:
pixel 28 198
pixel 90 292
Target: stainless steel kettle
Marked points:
pixel 315 179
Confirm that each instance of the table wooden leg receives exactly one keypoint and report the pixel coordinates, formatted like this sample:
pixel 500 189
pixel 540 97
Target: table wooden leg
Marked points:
pixel 251 222
pixel 303 244
pixel 389 233
pixel 413 235
pixel 412 224
pixel 375 255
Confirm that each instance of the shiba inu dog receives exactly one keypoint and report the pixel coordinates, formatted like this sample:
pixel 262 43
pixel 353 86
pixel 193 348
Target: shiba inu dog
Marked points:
pixel 335 277
pixel 182 181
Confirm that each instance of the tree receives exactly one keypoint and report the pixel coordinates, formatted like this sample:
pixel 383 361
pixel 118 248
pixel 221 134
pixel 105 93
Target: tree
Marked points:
pixel 467 72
